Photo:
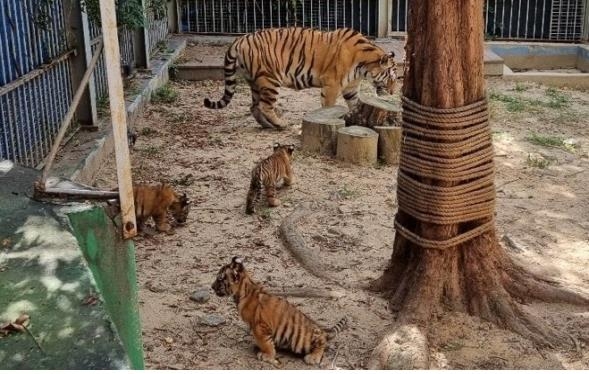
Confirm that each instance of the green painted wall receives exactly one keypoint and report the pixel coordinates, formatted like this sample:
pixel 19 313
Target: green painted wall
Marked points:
pixel 112 262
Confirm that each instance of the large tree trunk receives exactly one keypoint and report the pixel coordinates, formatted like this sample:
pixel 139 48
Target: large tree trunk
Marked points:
pixel 444 53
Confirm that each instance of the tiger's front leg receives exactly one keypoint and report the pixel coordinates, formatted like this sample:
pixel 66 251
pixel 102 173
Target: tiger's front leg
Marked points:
pixel 329 95
pixel 289 177
pixel 263 336
pixel 350 94
pixel 161 222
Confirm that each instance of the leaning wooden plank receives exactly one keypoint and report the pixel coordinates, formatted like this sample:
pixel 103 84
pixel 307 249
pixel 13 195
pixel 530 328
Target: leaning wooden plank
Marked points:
pixel 118 116
pixel 65 123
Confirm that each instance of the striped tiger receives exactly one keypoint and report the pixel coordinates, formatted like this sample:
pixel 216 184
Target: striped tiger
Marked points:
pixel 300 58
pixel 268 173
pixel 274 322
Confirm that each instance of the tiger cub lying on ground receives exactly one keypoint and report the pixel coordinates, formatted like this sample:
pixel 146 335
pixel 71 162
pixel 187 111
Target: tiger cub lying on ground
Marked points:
pixel 295 57
pixel 274 322
pixel 155 200
pixel 268 173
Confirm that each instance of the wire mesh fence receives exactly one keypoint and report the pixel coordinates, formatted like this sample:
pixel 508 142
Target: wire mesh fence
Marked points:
pixel 245 16
pixel 552 20
pixel 34 66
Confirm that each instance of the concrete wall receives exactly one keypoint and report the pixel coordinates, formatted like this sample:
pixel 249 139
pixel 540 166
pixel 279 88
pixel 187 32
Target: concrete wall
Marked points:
pixel 112 262
pixel 536 55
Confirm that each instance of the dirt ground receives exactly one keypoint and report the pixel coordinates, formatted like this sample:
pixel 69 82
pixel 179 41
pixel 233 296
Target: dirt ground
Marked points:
pixel 542 210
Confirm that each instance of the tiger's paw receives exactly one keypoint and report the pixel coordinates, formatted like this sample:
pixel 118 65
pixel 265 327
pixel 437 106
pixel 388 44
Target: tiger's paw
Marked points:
pixel 270 359
pixel 273 202
pixel 164 227
pixel 312 359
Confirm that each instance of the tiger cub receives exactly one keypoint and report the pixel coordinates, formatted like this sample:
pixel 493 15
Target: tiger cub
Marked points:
pixel 294 57
pixel 155 200
pixel 274 322
pixel 268 173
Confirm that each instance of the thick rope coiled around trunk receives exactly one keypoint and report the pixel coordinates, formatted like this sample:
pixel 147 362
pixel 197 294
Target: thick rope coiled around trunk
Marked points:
pixel 451 147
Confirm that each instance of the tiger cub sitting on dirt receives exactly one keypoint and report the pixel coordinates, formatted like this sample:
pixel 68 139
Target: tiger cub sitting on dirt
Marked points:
pixel 155 200
pixel 274 322
pixel 268 173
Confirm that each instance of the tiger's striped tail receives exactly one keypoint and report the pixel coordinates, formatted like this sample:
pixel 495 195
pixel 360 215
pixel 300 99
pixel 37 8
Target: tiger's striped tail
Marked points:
pixel 337 328
pixel 230 79
pixel 253 193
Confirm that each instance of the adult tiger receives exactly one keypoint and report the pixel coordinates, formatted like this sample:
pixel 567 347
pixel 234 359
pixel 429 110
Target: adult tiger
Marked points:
pixel 301 58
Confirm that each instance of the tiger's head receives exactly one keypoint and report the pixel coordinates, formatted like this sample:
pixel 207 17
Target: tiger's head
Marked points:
pixel 229 277
pixel 180 208
pixel 384 74
pixel 288 149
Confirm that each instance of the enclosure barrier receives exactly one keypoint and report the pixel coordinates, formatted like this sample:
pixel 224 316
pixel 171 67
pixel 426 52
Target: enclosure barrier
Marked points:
pixel 555 20
pixel 45 47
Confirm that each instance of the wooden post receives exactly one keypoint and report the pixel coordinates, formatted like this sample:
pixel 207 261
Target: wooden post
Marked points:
pixel 88 54
pixel 173 16
pixel 383 18
pixel 118 114
pixel 77 35
pixel 141 43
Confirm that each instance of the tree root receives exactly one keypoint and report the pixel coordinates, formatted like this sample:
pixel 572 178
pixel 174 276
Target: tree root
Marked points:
pixel 477 278
pixel 294 242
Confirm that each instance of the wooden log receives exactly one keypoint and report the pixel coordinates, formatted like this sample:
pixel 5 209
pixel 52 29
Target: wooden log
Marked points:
pixel 372 111
pixel 319 130
pixel 357 145
pixel 389 144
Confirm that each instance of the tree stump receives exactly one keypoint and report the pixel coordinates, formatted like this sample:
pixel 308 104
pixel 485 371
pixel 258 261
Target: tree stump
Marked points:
pixel 372 111
pixel 357 145
pixel 319 130
pixel 389 143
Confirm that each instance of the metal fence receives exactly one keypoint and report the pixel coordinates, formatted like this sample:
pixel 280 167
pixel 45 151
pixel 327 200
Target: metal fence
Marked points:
pixel 157 29
pixel 34 66
pixel 556 20
pixel 244 16
pixel 38 70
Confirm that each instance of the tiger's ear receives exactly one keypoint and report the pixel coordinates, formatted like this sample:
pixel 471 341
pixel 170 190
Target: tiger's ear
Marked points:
pixel 275 146
pixel 387 59
pixel 237 263
pixel 290 148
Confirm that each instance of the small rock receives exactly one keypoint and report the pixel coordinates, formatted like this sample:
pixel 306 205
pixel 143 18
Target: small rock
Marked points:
pixel 154 287
pixel 169 340
pixel 212 320
pixel 200 296
pixel 259 242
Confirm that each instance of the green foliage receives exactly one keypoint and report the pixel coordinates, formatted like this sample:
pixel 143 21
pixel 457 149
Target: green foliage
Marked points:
pixel 550 141
pixel 557 99
pixel 164 94
pixel 537 162
pixel 130 13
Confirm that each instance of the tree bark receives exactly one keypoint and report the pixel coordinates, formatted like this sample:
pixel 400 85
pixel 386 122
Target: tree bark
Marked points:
pixel 445 56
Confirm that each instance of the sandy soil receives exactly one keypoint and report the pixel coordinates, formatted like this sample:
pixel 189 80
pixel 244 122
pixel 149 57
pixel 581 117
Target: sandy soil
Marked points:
pixel 543 208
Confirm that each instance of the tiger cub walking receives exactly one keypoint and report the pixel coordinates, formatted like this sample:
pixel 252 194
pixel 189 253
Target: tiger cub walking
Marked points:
pixel 268 173
pixel 274 322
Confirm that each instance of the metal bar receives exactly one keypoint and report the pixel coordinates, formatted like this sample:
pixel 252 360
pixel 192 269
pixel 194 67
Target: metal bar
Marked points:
pixel 68 117
pixel 543 17
pixel 118 117
pixel 34 73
